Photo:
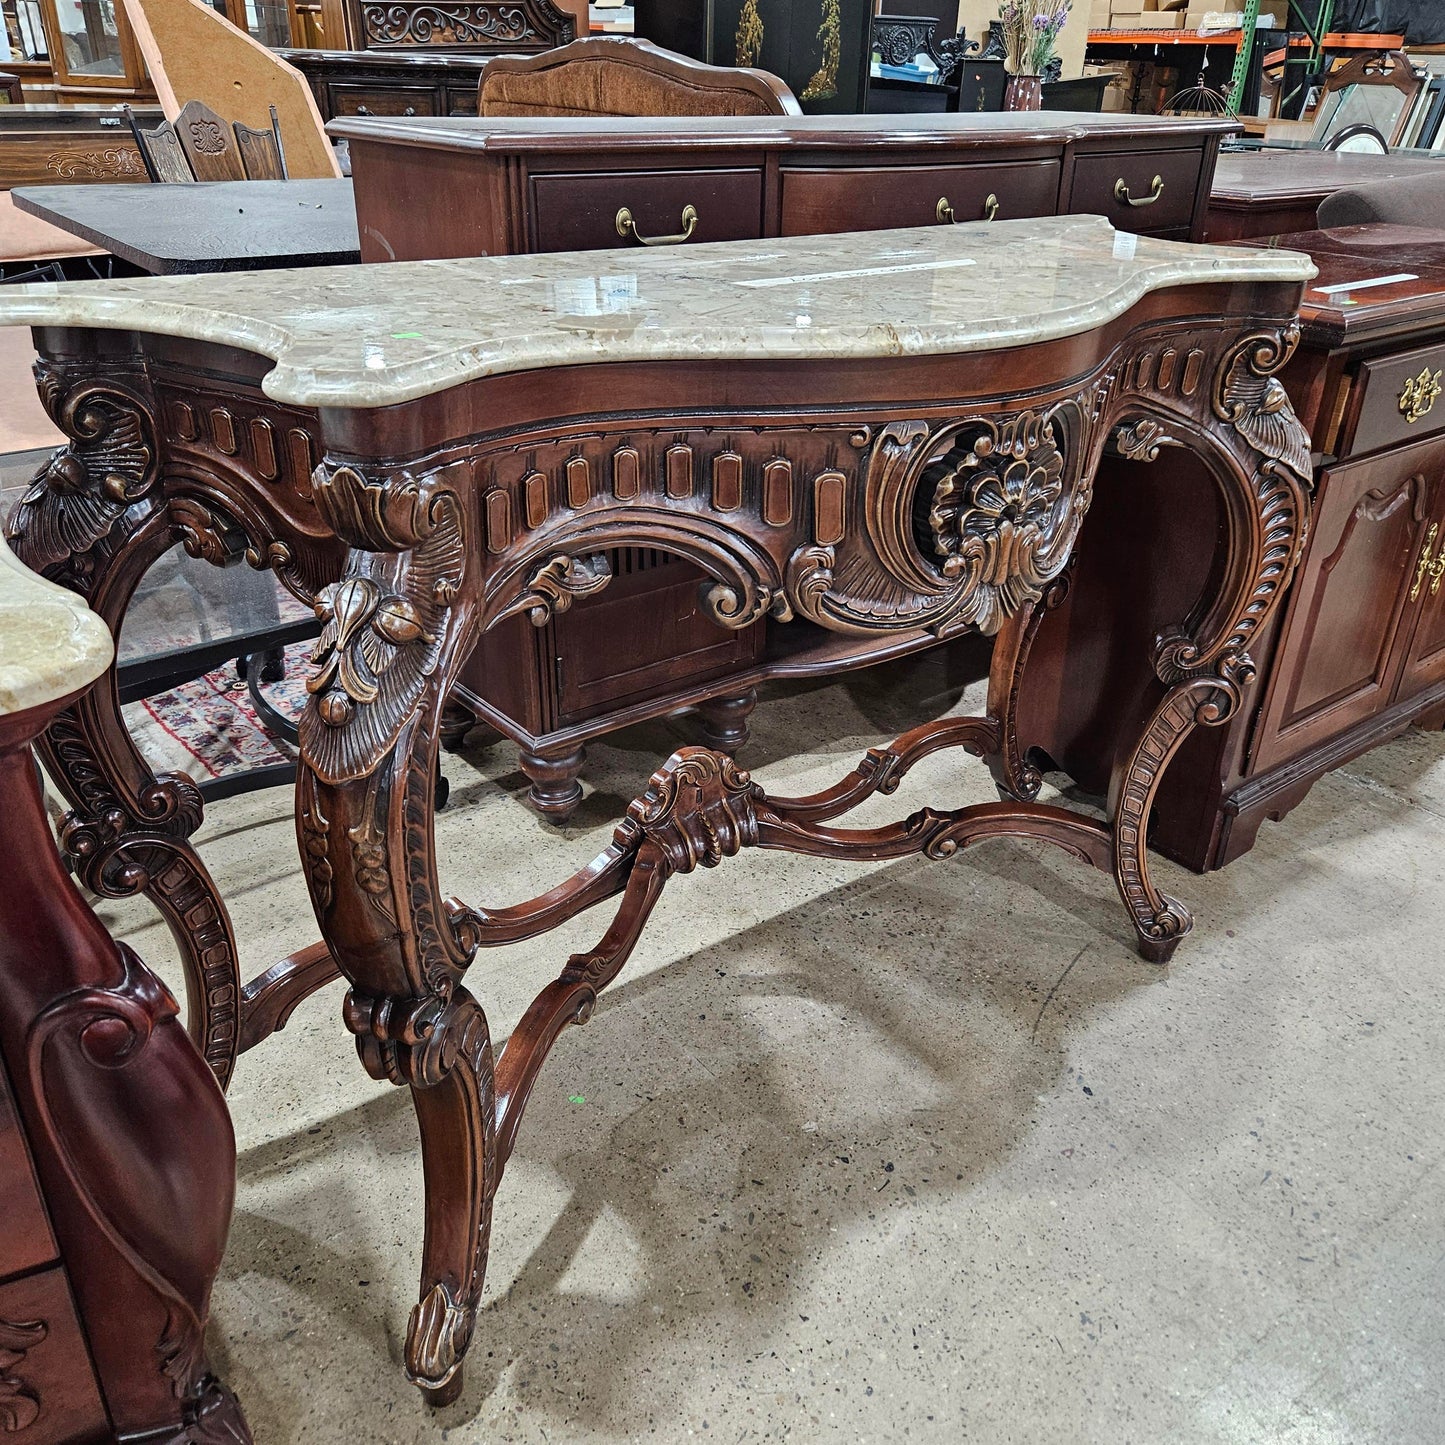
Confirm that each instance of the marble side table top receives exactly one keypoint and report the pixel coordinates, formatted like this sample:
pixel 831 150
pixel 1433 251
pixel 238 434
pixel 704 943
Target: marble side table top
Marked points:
pixel 51 643
pixel 370 336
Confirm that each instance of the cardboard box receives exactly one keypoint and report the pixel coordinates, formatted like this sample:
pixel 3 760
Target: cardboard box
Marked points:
pixel 1160 20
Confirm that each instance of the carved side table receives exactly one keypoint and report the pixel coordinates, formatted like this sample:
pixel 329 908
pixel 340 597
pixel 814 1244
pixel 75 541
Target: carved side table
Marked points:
pixel 117 1161
pixel 878 432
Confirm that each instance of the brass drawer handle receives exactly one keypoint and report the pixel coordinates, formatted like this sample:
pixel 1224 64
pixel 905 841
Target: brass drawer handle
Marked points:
pixel 946 216
pixel 627 229
pixel 1418 397
pixel 1429 565
pixel 1121 192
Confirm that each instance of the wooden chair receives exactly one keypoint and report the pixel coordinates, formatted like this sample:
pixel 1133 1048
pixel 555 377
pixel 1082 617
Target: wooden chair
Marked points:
pixel 200 146
pixel 1376 88
pixel 613 75
pixel 11 92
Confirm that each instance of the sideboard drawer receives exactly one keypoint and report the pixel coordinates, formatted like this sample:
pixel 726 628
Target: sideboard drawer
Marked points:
pixel 382 100
pixel 25 1238
pixel 1401 398
pixel 49 1395
pixel 821 202
pixel 579 212
pixel 1162 185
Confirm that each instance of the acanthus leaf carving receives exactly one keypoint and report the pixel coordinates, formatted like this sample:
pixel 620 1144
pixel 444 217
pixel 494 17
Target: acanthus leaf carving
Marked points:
pixel 384 623
pixel 1249 396
pixel 78 496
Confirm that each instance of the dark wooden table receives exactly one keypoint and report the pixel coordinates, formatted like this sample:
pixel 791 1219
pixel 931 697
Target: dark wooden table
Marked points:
pixel 875 434
pixel 214 226
pixel 1268 192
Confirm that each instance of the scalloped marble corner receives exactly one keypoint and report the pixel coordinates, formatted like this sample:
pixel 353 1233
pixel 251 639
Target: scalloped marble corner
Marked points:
pixel 356 336
pixel 51 643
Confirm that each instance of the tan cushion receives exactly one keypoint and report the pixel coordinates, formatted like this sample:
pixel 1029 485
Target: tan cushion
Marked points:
pixel 24 237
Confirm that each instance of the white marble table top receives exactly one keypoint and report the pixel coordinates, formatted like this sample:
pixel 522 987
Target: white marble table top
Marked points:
pixel 367 336
pixel 51 643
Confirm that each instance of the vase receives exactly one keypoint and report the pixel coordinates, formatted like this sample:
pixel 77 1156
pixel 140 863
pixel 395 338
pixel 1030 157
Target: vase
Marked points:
pixel 1024 92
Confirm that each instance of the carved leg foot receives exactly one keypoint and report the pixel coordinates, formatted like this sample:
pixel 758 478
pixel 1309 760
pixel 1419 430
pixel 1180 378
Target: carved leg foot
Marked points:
pixel 457 721
pixel 445 1053
pixel 725 720
pixel 555 791
pixel 1160 921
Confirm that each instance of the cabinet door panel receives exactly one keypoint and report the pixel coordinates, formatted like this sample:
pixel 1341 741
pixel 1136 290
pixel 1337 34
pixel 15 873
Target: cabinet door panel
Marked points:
pixel 1341 643
pixel 47 1392
pixel 1425 658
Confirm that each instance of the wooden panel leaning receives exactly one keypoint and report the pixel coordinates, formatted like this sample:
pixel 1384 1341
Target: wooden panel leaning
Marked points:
pixel 918 458
pixel 615 75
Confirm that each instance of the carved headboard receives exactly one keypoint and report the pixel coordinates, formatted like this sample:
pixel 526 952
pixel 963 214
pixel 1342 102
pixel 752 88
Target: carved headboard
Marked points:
pixel 472 26
pixel 613 75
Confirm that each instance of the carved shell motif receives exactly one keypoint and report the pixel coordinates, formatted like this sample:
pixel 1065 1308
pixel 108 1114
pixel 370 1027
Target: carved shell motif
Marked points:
pixel 998 521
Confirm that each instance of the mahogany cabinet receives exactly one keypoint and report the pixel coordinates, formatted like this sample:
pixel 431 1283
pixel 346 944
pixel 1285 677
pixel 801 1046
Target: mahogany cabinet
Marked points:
pixel 1357 654
pixel 117 1158
pixel 521 185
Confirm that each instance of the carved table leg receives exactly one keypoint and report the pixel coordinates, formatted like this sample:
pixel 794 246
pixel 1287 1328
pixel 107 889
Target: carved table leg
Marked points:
pixel 395 632
pixel 555 790
pixel 725 720
pixel 93 520
pixel 1261 463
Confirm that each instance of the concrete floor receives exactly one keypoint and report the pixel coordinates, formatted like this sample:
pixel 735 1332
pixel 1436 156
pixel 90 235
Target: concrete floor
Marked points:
pixel 919 1152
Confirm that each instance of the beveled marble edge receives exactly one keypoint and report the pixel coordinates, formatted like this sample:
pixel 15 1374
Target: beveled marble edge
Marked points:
pixel 369 336
pixel 51 643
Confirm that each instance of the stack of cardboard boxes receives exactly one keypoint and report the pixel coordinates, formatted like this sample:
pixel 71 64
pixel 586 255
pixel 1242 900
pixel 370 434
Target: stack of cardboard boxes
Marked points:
pixel 1167 15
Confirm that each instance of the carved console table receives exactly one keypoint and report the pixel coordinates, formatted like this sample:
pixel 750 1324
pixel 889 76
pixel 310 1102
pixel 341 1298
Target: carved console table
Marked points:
pixel 117 1161
pixel 877 432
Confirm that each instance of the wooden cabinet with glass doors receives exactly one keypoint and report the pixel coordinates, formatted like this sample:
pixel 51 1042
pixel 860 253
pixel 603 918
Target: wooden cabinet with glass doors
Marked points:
pixel 83 51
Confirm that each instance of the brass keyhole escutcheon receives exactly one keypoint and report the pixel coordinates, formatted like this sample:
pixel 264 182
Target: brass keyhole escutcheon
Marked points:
pixel 1417 399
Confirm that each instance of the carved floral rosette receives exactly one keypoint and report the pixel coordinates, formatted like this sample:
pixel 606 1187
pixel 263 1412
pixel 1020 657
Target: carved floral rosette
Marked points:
pixel 965 524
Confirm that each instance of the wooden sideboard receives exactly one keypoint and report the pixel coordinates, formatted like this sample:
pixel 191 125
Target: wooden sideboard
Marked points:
pixel 51 144
pixel 548 185
pixel 1358 652
pixel 421 59
pixel 1262 193
pixel 368 82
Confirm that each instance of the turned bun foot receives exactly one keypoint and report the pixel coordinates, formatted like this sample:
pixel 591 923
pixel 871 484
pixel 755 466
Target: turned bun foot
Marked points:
pixel 457 721
pixel 555 790
pixel 725 720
